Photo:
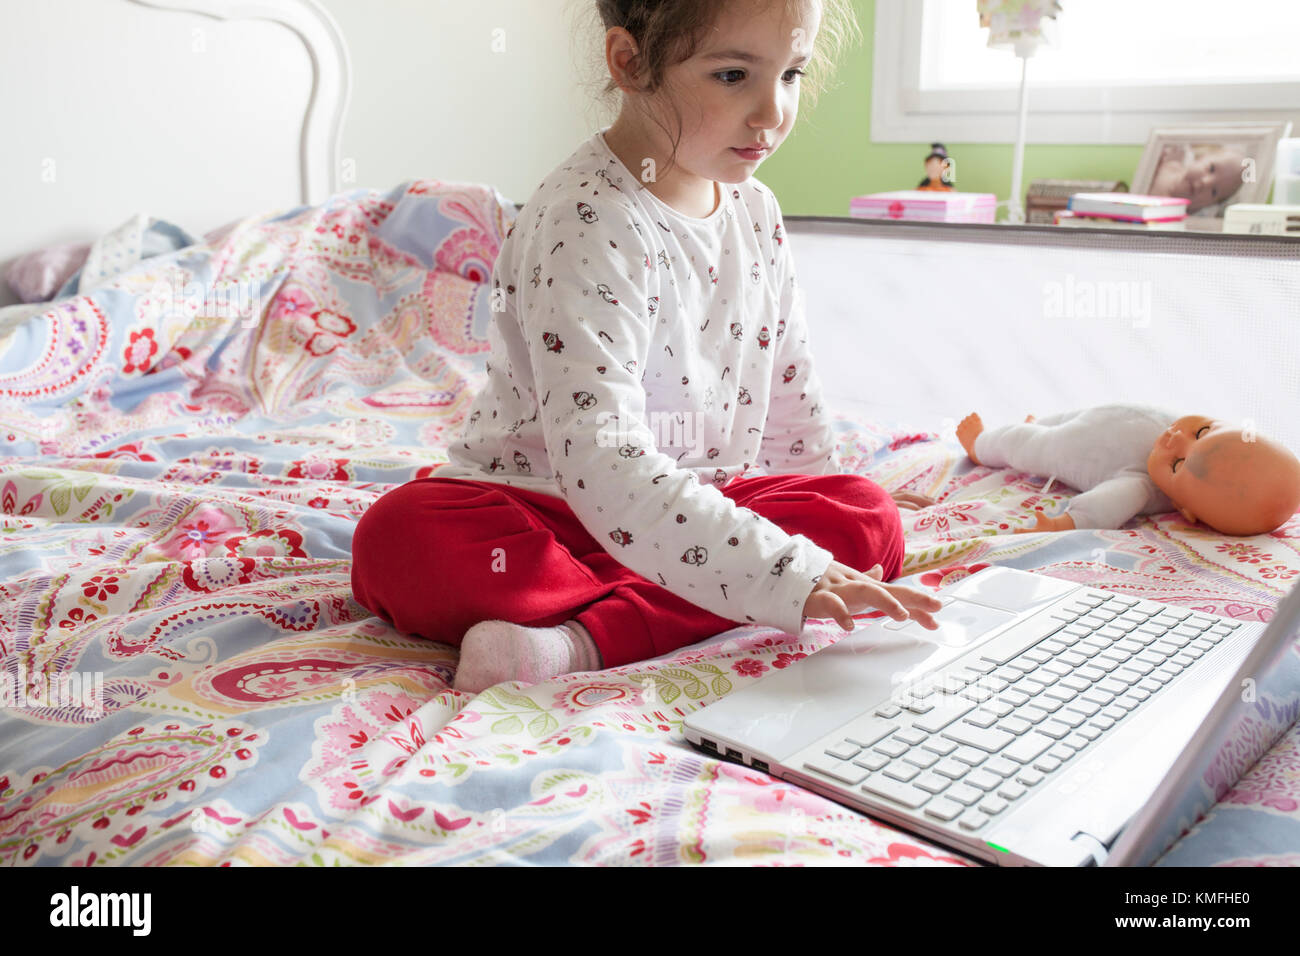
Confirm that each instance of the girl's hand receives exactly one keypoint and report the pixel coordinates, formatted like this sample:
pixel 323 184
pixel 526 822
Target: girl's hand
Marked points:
pixel 842 592
pixel 907 501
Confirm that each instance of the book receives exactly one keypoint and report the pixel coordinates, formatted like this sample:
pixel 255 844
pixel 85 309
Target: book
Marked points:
pixel 1132 207
pixel 1046 196
pixel 1064 217
pixel 923 205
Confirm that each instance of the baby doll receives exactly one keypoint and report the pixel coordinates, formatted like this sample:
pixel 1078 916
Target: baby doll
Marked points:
pixel 1135 459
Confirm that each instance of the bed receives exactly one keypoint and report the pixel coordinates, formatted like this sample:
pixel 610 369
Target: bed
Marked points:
pixel 188 438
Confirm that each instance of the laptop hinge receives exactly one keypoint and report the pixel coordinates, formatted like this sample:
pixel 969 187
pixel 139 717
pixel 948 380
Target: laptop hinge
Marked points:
pixel 1095 847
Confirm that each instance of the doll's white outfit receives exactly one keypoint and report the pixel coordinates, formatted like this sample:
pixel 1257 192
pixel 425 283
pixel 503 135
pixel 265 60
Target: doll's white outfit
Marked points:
pixel 1101 451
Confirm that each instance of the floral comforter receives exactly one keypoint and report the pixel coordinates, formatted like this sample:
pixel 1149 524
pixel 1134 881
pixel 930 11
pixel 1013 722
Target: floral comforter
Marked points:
pixel 186 448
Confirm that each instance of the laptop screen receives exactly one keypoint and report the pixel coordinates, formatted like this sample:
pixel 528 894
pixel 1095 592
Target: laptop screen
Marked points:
pixel 1256 707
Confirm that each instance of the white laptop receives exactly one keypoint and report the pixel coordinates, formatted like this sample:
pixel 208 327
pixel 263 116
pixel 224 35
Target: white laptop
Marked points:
pixel 1044 723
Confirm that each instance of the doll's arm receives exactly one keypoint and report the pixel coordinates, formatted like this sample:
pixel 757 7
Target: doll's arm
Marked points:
pixel 1043 522
pixel 1112 503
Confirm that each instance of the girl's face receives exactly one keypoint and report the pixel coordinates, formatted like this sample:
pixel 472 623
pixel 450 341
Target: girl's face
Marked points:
pixel 741 88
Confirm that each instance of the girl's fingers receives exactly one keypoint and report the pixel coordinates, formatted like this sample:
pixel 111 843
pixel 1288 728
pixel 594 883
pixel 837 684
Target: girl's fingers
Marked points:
pixel 873 595
pixel 925 619
pixel 840 612
pixel 853 591
pixel 828 604
pixel 920 606
pixel 914 598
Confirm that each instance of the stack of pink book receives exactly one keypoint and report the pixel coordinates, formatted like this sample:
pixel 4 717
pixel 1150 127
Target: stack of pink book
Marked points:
pixel 925 205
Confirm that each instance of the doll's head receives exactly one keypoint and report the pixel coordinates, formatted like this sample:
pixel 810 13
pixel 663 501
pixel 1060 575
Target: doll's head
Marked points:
pixel 937 163
pixel 700 79
pixel 1234 481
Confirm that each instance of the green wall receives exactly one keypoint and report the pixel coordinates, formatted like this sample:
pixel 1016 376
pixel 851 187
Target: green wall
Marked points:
pixel 829 157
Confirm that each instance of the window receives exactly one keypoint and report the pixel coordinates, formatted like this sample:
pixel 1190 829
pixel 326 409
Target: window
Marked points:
pixel 1112 70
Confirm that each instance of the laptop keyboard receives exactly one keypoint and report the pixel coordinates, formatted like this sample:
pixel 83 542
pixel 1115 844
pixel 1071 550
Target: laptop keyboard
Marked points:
pixel 963 747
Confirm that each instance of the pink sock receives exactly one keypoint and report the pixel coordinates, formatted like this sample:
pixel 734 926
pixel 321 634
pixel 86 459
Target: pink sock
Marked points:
pixel 496 651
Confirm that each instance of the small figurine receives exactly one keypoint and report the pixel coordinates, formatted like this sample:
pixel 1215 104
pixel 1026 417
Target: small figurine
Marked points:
pixel 938 170
pixel 1135 459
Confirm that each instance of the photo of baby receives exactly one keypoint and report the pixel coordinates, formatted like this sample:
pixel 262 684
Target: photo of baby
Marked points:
pixel 1208 175
pixel 1211 165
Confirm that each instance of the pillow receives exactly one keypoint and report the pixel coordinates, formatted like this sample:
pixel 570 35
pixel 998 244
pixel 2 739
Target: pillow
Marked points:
pixel 120 249
pixel 37 276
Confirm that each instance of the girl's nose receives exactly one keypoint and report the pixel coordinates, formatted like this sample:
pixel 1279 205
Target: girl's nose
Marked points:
pixel 767 113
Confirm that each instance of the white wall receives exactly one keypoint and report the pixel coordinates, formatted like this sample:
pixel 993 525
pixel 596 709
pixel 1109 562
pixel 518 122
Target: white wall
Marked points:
pixel 432 99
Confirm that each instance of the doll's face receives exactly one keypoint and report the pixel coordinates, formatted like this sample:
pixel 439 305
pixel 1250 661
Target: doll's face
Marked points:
pixel 1215 473
pixel 1198 463
pixel 1168 463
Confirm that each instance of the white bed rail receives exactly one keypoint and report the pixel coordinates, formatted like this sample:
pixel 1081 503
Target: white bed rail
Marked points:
pixel 925 323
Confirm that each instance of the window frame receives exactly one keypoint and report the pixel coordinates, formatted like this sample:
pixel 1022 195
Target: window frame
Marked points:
pixel 902 112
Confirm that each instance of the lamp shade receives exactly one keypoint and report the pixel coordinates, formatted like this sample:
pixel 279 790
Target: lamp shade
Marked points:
pixel 1016 24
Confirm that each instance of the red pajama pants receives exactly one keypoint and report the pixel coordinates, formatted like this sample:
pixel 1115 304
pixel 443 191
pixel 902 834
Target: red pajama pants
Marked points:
pixel 424 558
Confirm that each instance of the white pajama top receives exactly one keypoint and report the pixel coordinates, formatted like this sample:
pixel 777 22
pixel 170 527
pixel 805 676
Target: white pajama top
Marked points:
pixel 640 360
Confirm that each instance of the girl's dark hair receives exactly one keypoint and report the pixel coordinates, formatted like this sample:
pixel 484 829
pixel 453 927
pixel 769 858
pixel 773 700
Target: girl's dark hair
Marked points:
pixel 668 32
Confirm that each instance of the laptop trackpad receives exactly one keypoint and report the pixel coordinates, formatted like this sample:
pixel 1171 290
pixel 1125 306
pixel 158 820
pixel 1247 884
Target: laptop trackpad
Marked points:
pixel 1010 590
pixel 960 625
pixel 788 708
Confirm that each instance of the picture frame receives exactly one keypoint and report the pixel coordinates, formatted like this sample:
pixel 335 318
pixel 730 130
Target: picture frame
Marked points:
pixel 1212 165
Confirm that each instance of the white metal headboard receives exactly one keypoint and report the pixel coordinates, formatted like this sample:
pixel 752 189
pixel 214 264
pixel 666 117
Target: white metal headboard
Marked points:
pixel 194 111
pixel 322 124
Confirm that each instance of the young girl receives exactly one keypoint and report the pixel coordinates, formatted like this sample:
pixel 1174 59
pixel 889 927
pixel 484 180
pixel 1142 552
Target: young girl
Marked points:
pixel 604 503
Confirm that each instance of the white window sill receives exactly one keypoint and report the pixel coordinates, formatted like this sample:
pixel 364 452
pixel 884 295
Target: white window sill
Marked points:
pixel 902 112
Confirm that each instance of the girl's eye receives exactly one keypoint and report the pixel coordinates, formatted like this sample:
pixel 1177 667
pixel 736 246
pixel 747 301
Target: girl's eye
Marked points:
pixel 725 73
